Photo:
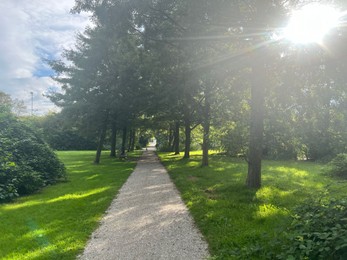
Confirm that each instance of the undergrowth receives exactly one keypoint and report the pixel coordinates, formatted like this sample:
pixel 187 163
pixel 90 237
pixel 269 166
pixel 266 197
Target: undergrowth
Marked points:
pixel 241 223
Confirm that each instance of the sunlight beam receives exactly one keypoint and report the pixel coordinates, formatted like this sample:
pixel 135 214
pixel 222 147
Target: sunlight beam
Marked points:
pixel 311 23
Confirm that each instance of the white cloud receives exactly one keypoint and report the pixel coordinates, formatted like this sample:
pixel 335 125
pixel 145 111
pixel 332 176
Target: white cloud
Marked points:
pixel 31 31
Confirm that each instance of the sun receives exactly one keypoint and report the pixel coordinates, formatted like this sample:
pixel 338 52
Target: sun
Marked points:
pixel 311 23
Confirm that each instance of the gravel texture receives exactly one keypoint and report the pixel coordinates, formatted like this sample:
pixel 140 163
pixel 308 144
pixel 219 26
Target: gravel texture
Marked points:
pixel 147 220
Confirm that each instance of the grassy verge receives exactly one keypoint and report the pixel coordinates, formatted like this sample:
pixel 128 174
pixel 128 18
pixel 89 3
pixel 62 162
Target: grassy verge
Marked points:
pixel 237 221
pixel 57 222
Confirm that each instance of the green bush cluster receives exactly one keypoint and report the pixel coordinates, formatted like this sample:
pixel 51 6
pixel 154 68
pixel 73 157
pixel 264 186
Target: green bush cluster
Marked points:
pixel 67 140
pixel 318 231
pixel 338 166
pixel 26 162
pixel 60 133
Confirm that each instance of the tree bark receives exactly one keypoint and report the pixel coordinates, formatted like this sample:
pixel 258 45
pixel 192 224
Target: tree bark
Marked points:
pixel 130 139
pixel 176 144
pixel 187 132
pixel 124 139
pixel 171 138
pixel 206 127
pixel 132 143
pixel 102 136
pixel 113 140
pixel 256 125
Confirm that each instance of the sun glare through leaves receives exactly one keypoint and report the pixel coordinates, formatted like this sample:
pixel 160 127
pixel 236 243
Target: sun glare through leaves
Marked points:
pixel 311 23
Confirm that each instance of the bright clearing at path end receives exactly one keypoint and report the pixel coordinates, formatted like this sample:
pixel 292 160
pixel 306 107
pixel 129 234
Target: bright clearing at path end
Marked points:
pixel 311 23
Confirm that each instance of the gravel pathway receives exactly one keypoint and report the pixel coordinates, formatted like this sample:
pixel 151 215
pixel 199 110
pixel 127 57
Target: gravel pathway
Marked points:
pixel 147 220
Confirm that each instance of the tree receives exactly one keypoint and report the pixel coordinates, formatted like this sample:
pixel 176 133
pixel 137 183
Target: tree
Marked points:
pixel 61 133
pixel 256 124
pixel 9 104
pixel 262 15
pixel 104 75
pixel 180 64
pixel 26 162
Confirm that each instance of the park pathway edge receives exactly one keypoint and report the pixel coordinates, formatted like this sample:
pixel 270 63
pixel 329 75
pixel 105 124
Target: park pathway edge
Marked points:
pixel 147 220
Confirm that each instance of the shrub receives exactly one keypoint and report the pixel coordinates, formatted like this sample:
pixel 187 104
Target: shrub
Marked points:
pixel 318 231
pixel 56 131
pixel 26 161
pixel 164 147
pixel 338 166
pixel 234 142
pixel 67 140
pixel 40 158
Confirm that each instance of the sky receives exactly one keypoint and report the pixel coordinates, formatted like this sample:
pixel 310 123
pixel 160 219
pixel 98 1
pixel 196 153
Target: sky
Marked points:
pixel 32 31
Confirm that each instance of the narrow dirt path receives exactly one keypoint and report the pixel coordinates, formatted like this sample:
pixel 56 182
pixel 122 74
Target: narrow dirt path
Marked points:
pixel 147 220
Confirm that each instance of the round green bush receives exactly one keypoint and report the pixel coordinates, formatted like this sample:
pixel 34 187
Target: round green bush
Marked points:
pixel 27 163
pixel 338 166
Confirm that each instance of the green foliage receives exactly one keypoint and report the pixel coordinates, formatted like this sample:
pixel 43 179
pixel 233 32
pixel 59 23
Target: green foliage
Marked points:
pixel 59 133
pixel 5 103
pixel 143 140
pixel 68 140
pixel 57 222
pixel 162 137
pixel 241 223
pixel 338 166
pixel 234 141
pixel 164 147
pixel 168 71
pixel 26 162
pixel 318 231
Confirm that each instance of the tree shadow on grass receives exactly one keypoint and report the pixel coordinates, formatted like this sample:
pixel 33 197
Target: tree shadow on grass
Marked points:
pixel 68 225
pixel 232 216
pixel 56 223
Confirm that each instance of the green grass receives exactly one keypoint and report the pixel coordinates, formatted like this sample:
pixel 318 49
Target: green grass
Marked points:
pixel 56 222
pixel 237 221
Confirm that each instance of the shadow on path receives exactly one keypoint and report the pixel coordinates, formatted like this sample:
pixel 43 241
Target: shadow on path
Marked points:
pixel 147 220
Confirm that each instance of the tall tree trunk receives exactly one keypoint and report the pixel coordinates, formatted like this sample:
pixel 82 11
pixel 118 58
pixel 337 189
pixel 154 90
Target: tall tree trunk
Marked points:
pixel 132 143
pixel 124 139
pixel 176 146
pixel 130 139
pixel 113 140
pixel 102 136
pixel 206 127
pixel 187 132
pixel 256 125
pixel 171 138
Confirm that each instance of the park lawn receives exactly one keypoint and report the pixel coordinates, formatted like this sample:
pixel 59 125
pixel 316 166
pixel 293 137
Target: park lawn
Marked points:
pixel 57 222
pixel 238 222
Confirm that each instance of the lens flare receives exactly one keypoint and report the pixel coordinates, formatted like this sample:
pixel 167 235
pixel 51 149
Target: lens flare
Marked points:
pixel 311 23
